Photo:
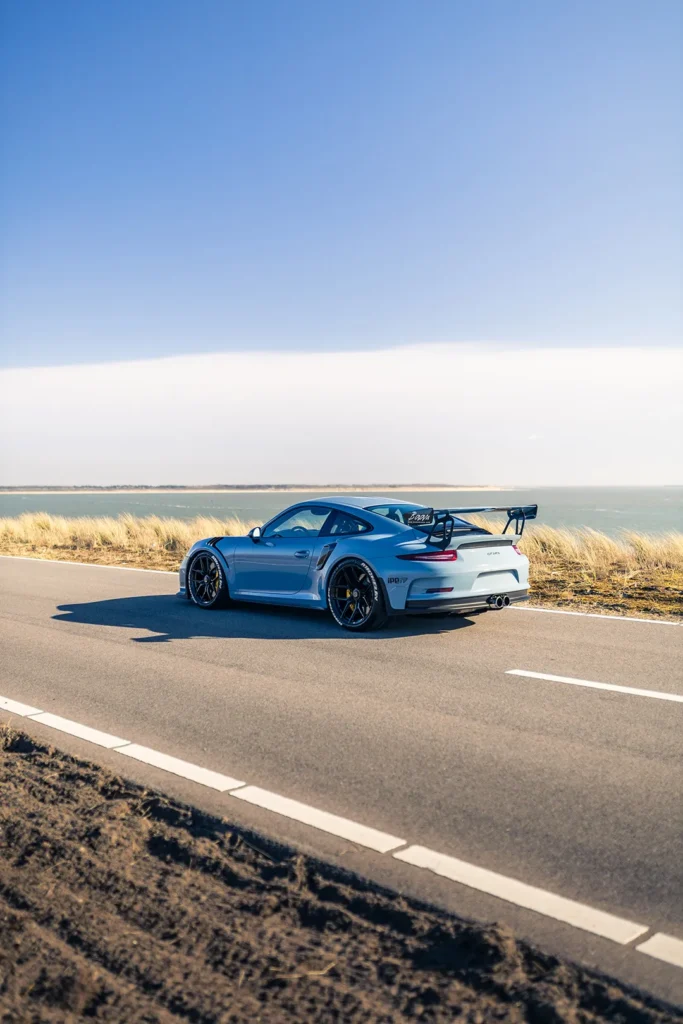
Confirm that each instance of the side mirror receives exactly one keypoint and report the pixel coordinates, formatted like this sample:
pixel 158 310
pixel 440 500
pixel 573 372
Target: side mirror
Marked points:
pixel 255 534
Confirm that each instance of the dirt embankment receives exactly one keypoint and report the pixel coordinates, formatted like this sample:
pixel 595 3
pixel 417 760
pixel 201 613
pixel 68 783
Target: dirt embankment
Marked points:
pixel 119 904
pixel 616 589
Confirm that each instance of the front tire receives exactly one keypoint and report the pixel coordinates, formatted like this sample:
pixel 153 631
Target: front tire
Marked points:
pixel 355 597
pixel 206 582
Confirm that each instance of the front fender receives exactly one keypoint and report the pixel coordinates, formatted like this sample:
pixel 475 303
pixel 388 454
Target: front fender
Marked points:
pixel 200 545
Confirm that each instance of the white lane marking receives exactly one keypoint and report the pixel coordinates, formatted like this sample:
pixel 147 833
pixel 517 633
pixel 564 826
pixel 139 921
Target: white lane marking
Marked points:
pixel 17 708
pixel 633 690
pixel 664 947
pixel 89 565
pixel 592 615
pixel 336 826
pixel 84 732
pixel 510 889
pixel 186 770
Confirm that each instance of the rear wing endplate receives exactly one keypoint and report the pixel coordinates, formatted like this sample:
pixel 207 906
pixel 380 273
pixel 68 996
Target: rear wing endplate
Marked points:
pixel 443 522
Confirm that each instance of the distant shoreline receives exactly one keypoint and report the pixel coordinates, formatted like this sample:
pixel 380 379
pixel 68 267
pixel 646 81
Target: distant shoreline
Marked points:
pixel 299 489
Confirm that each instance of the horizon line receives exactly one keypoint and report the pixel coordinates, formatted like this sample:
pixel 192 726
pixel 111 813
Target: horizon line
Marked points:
pixel 280 487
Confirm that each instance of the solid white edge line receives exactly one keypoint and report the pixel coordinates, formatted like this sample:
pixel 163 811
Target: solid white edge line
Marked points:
pixel 16 708
pixel 522 895
pixel 514 607
pixel 89 565
pixel 184 769
pixel 663 947
pixel 620 930
pixel 323 820
pixel 633 690
pixel 591 615
pixel 83 732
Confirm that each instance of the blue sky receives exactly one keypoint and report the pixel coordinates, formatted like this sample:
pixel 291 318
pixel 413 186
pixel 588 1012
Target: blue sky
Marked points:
pixel 188 177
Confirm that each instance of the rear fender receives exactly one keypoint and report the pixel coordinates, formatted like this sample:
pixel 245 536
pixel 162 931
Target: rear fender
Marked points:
pixel 359 558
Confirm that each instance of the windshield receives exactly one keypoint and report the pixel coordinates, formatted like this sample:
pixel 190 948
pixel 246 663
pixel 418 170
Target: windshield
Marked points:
pixel 399 510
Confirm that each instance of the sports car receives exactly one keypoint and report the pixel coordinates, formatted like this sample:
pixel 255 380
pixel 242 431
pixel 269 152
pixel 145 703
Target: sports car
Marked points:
pixel 363 560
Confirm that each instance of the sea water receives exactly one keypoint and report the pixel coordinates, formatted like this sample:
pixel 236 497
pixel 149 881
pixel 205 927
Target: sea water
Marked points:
pixel 609 509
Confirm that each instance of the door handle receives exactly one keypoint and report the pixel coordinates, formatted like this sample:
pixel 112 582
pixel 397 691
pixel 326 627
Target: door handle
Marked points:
pixel 302 554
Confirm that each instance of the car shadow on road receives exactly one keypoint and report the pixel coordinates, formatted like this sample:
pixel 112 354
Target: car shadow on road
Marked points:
pixel 168 618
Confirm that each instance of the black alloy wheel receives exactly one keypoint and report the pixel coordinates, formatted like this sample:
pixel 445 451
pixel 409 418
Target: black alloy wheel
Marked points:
pixel 354 596
pixel 206 581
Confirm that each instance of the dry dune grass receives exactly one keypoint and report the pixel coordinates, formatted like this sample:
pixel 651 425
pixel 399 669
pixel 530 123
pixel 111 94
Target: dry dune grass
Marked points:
pixel 127 540
pixel 597 551
pixel 637 573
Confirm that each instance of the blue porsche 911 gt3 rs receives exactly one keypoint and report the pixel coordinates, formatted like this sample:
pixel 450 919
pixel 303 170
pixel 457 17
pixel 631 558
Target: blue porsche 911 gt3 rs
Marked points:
pixel 364 559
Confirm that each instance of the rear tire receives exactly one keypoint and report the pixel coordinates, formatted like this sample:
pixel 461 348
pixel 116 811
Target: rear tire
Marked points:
pixel 355 597
pixel 207 586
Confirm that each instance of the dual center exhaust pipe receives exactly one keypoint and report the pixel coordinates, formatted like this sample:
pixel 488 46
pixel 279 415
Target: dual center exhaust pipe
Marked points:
pixel 499 601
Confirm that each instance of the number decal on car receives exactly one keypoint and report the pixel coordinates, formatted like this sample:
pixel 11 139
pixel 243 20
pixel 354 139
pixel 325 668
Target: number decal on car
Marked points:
pixel 423 517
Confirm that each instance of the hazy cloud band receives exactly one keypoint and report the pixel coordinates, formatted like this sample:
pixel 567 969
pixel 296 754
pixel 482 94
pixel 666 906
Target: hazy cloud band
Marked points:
pixel 428 413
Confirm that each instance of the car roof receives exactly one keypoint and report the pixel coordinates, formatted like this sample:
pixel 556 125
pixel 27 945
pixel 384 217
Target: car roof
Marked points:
pixel 342 502
pixel 356 501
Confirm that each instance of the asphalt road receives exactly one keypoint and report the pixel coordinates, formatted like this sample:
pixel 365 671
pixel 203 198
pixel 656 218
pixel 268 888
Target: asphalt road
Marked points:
pixel 416 731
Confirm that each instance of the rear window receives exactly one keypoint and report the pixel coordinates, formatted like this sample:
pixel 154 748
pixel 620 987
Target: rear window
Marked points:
pixel 399 510
pixel 395 512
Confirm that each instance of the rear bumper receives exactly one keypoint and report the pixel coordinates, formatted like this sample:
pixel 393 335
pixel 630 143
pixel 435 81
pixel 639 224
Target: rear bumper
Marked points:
pixel 461 604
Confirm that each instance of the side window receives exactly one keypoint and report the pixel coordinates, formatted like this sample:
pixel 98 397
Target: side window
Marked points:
pixel 299 522
pixel 344 524
pixel 389 512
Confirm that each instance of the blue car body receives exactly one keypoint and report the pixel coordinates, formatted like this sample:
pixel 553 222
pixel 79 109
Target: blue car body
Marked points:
pixel 443 564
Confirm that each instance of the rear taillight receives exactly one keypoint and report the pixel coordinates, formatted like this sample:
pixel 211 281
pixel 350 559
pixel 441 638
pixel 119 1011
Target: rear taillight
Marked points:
pixel 431 556
pixel 515 548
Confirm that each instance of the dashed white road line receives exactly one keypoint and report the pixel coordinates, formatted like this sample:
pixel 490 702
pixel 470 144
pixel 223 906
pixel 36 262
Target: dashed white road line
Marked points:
pixel 186 770
pixel 663 947
pixel 323 820
pixel 591 615
pixel 633 690
pixel 510 889
pixel 83 732
pixel 580 915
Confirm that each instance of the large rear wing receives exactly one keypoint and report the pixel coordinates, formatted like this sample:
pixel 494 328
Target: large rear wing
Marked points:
pixel 442 522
